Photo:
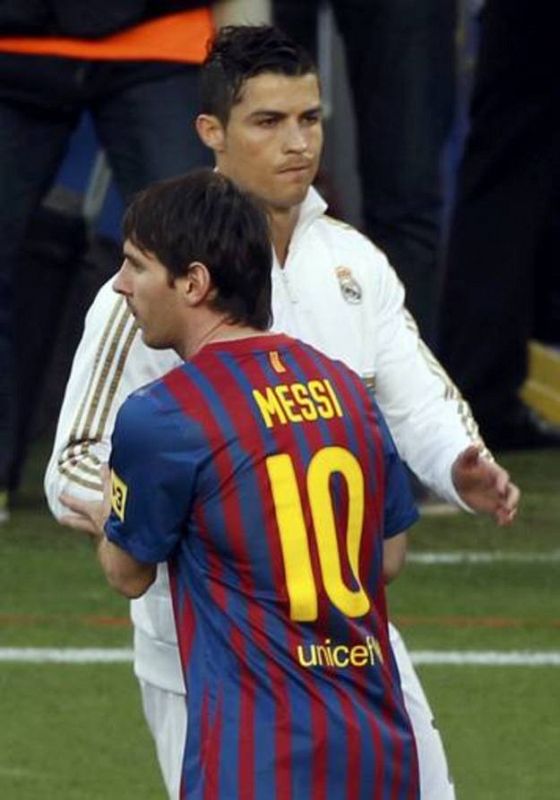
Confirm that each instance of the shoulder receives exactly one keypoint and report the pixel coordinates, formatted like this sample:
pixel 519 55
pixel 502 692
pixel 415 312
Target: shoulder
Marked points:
pixel 148 413
pixel 144 433
pixel 350 252
pixel 336 370
pixel 157 398
pixel 360 268
pixel 344 236
pixel 154 431
pixel 139 411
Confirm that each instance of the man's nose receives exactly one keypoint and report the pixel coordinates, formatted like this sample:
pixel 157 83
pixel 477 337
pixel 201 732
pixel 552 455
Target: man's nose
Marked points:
pixel 120 284
pixel 296 140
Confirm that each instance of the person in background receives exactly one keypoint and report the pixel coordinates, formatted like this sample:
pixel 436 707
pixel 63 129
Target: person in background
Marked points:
pixel 241 12
pixel 501 283
pixel 133 65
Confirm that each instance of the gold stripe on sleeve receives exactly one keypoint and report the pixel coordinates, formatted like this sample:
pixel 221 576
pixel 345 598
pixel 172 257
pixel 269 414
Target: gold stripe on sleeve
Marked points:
pixel 105 370
pixel 451 392
pixel 116 379
pixel 97 359
pixel 88 484
pixel 76 461
pixel 79 466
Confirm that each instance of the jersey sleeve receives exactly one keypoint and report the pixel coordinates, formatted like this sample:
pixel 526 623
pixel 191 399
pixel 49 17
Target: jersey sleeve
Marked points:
pixel 400 510
pixel 111 361
pixel 428 417
pixel 152 480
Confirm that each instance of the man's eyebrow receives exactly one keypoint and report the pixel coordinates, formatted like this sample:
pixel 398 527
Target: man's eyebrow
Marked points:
pixel 270 112
pixel 267 112
pixel 318 109
pixel 130 257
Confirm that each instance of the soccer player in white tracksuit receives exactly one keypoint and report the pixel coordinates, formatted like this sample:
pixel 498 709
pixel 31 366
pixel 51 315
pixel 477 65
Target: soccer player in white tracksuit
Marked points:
pixel 333 289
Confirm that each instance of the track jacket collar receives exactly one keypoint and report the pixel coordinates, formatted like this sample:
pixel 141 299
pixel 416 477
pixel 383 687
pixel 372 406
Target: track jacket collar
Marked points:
pixel 310 210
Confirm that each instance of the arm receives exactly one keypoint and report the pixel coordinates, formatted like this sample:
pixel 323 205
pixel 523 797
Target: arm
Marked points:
pixel 241 12
pixel 394 556
pixel 485 486
pixel 110 362
pixel 399 510
pixel 431 423
pixel 123 572
pixel 145 503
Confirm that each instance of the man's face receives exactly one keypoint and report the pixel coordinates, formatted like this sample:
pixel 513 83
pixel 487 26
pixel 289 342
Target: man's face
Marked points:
pixel 144 283
pixel 272 142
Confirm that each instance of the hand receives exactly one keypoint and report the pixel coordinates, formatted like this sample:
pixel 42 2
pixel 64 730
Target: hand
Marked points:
pixel 89 515
pixel 485 486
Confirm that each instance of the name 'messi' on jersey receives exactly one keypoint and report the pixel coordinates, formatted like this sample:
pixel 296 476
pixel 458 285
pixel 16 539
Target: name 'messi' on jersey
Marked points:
pixel 298 402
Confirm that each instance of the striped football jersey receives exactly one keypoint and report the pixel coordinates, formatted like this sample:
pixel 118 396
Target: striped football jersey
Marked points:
pixel 265 476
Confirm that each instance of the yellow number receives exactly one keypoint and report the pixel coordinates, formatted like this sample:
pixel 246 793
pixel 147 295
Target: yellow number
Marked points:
pixel 301 584
pixel 327 462
pixel 119 491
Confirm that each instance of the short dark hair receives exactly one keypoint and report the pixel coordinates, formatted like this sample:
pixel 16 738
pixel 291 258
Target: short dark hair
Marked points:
pixel 240 52
pixel 203 216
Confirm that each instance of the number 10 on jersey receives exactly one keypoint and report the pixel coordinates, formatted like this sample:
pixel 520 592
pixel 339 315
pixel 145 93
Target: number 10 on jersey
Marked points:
pixel 294 536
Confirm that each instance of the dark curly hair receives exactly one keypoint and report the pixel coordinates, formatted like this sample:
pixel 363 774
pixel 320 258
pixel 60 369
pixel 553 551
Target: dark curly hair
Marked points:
pixel 203 216
pixel 240 52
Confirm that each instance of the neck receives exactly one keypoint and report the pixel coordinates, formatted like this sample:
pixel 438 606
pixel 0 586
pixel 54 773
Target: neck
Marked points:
pixel 218 330
pixel 282 225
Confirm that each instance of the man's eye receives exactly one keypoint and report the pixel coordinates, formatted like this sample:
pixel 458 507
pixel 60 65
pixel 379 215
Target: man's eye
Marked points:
pixel 268 122
pixel 312 119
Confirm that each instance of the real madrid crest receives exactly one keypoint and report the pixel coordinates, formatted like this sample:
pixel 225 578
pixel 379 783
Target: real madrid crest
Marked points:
pixel 349 286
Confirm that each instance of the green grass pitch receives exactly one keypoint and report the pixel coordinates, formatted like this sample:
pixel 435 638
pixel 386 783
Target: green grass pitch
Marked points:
pixel 76 732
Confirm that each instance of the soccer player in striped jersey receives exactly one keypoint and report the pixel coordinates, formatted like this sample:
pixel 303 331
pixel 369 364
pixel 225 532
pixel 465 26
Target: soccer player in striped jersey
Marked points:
pixel 262 472
pixel 333 289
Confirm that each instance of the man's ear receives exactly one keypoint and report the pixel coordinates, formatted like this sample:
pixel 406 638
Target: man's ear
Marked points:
pixel 196 284
pixel 211 131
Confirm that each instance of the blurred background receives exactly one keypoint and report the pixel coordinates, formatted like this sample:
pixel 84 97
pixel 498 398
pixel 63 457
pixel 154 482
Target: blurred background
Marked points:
pixel 490 310
pixel 444 148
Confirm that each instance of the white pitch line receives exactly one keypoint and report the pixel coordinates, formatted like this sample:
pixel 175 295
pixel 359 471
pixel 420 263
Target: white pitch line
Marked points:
pixel 483 557
pixel 492 658
pixel 48 655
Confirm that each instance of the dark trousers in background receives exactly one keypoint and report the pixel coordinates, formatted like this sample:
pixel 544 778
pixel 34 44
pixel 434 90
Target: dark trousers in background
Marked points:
pixel 503 259
pixel 401 64
pixel 143 114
